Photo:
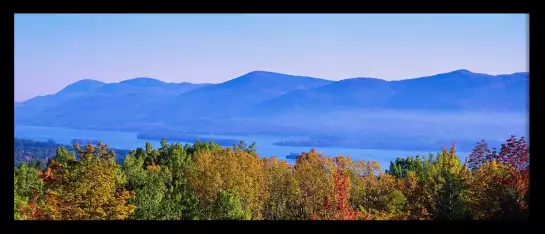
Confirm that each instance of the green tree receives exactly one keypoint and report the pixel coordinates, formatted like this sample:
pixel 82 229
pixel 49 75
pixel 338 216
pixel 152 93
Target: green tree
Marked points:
pixel 26 184
pixel 228 206
pixel 149 187
pixel 396 204
pixel 450 202
pixel 401 166
pixel 444 185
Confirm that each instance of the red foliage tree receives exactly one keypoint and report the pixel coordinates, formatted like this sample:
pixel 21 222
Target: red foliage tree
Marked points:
pixel 344 211
pixel 32 211
pixel 340 209
pixel 515 155
pixel 481 154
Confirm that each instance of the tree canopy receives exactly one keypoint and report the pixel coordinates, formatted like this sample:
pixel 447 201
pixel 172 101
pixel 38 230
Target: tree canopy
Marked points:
pixel 206 181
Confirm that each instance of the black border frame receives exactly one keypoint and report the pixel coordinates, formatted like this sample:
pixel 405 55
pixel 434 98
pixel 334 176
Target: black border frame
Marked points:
pixel 280 226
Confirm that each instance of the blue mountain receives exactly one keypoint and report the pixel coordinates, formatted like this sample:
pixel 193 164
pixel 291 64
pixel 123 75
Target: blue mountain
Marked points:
pixel 244 104
pixel 230 97
pixel 459 90
pixel 82 86
pixel 94 103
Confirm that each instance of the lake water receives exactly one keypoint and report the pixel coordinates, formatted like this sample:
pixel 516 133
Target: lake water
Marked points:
pixel 264 144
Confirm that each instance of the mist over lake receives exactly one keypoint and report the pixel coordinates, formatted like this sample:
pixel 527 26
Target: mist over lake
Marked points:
pixel 265 147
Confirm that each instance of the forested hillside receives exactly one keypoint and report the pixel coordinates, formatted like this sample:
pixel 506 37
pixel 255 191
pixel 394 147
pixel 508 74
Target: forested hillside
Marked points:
pixel 205 181
pixel 30 151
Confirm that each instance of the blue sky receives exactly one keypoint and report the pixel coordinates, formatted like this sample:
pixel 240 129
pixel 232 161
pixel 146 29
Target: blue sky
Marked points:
pixel 52 51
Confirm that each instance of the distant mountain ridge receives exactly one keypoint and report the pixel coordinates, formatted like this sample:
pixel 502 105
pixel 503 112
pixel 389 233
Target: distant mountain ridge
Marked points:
pixel 457 90
pixel 85 85
pixel 89 101
pixel 251 99
pixel 230 97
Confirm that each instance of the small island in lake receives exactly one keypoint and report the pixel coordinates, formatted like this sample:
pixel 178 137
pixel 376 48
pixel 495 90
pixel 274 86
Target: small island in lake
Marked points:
pixel 292 156
pixel 157 136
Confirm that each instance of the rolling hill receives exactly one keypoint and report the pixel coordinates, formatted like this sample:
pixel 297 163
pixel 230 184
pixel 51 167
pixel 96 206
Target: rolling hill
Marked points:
pixel 94 103
pixel 337 96
pixel 462 90
pixel 459 90
pixel 229 98
pixel 250 103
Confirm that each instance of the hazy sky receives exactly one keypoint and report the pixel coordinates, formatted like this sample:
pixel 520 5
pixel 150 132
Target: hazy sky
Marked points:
pixel 52 51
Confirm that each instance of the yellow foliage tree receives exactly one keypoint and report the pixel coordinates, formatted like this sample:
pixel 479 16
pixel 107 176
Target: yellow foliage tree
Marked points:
pixel 283 194
pixel 315 174
pixel 226 170
pixel 85 189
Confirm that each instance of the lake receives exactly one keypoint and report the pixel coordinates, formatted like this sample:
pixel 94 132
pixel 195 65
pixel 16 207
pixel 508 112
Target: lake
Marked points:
pixel 264 144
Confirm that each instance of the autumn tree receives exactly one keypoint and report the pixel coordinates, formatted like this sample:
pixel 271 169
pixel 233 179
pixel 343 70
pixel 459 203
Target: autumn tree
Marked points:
pixel 412 189
pixel 340 208
pixel 88 188
pixel 499 187
pixel 515 153
pixel 315 174
pixel 485 191
pixel 375 192
pixel 377 195
pixel 283 200
pixel 480 155
pixel 220 169
pixel 515 158
pixel 26 186
pixel 206 181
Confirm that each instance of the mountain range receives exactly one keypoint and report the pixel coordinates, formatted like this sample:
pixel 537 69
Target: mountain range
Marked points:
pixel 257 100
pixel 459 90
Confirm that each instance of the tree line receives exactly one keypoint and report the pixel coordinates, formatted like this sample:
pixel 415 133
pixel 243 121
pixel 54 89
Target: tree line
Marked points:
pixel 205 181
pixel 38 152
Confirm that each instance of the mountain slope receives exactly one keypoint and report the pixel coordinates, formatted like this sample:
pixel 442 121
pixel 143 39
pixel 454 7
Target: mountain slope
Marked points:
pixel 454 91
pixel 82 86
pixel 92 104
pixel 230 97
pixel 462 90
pixel 253 100
pixel 344 94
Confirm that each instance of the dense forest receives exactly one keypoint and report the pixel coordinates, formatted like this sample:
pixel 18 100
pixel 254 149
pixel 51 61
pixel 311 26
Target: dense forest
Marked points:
pixel 39 152
pixel 205 181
